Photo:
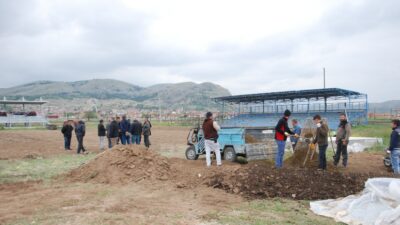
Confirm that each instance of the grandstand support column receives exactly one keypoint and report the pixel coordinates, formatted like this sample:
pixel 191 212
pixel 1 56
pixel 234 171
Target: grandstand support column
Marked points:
pixel 263 106
pixel 325 104
pixel 275 107
pixel 291 105
pixel 308 105
pixel 223 109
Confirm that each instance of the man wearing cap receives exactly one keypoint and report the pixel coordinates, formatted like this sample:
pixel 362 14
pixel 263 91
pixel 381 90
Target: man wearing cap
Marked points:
pixel 282 131
pixel 210 129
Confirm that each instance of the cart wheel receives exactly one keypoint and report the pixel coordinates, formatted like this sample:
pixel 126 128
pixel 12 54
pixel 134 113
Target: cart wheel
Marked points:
pixel 191 153
pixel 229 154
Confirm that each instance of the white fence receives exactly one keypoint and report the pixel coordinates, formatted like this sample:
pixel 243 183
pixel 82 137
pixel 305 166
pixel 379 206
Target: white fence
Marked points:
pixel 12 120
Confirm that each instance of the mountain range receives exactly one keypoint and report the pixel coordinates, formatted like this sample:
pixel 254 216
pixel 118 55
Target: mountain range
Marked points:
pixel 177 95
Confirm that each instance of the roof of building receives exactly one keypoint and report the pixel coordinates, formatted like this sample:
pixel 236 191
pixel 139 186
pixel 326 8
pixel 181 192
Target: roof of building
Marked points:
pixel 290 95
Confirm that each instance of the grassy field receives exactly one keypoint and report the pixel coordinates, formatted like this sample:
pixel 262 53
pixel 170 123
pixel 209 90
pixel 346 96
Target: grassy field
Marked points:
pixel 40 168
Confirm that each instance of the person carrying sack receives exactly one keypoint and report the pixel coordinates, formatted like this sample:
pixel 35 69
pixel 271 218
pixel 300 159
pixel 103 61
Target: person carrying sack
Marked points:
pixel 210 129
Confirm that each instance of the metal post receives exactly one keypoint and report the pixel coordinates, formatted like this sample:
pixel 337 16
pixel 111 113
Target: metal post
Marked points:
pixel 291 105
pixel 263 106
pixel 366 109
pixel 324 79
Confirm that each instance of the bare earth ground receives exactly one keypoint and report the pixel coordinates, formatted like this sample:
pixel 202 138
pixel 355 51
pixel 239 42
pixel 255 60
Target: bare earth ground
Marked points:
pixel 143 202
pixel 17 144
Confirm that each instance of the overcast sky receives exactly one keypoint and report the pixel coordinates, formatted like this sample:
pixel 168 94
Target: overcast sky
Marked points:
pixel 246 46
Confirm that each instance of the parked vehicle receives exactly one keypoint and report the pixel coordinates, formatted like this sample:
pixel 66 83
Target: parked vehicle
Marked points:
pixel 252 143
pixel 32 113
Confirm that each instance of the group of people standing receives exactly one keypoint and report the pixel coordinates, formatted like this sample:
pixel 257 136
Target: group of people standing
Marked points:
pixel 343 132
pixel 116 131
pixel 80 131
pixel 123 131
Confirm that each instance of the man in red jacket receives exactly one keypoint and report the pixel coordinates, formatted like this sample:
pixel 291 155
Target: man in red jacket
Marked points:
pixel 282 131
pixel 210 129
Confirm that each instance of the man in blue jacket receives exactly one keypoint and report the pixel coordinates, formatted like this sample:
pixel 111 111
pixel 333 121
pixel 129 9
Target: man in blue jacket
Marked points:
pixel 394 147
pixel 296 130
pixel 124 126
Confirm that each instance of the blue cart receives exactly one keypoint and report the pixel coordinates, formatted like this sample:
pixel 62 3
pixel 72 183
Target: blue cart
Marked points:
pixel 252 143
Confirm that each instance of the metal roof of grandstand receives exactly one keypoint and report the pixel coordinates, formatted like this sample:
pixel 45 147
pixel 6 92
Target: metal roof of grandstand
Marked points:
pixel 290 95
pixel 21 102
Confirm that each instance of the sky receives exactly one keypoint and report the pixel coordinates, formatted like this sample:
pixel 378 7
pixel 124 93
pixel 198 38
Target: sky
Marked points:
pixel 245 46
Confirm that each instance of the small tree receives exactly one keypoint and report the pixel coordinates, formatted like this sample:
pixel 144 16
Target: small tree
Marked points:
pixel 90 115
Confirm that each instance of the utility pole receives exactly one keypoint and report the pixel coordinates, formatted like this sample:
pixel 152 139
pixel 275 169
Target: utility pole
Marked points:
pixel 324 78
pixel 159 108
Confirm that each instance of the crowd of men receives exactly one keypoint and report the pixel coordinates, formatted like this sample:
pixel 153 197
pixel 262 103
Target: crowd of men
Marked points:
pixel 343 132
pixel 117 131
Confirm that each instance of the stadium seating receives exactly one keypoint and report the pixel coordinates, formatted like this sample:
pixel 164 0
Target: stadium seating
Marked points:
pixel 270 120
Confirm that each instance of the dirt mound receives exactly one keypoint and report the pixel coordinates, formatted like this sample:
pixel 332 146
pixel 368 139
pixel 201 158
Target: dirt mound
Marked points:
pixel 124 164
pixel 261 181
pixel 299 156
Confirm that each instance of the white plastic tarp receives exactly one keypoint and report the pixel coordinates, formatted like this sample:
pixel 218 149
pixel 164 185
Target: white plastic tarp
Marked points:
pixel 379 203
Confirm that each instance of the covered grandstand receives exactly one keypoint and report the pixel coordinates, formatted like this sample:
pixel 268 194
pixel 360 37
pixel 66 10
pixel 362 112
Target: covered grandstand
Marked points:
pixel 13 113
pixel 264 109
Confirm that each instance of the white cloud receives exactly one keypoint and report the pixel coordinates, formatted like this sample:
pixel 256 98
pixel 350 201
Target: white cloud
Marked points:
pixel 246 46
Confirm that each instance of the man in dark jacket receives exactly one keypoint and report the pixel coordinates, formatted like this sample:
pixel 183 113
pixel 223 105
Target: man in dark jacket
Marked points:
pixel 124 127
pixel 210 130
pixel 394 147
pixel 108 133
pixel 342 140
pixel 136 131
pixel 282 131
pixel 321 139
pixel 147 133
pixel 101 132
pixel 67 132
pixel 114 132
pixel 80 131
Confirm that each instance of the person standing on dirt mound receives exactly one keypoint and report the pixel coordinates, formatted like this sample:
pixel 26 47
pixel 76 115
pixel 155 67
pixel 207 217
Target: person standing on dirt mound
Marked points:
pixel 80 131
pixel 210 129
pixel 67 132
pixel 321 138
pixel 342 140
pixel 147 132
pixel 101 132
pixel 124 127
pixel 282 131
pixel 394 147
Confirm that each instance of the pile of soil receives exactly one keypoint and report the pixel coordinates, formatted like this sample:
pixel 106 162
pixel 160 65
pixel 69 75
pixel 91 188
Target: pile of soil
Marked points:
pixel 124 164
pixel 299 156
pixel 261 181
pixel 250 139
